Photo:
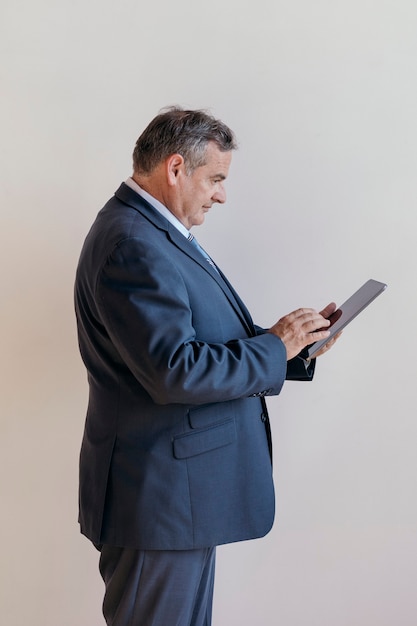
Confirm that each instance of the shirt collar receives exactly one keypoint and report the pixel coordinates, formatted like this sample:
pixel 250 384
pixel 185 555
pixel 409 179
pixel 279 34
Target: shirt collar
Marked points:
pixel 158 206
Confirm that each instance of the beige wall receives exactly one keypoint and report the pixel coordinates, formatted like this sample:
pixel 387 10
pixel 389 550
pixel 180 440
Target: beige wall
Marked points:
pixel 322 196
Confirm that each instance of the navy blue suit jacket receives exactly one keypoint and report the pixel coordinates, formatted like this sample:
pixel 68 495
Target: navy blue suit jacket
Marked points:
pixel 176 447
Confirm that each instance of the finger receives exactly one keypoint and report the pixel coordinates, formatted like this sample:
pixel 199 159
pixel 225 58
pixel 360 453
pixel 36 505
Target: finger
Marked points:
pixel 333 340
pixel 317 335
pixel 315 324
pixel 302 312
pixel 329 344
pixel 328 310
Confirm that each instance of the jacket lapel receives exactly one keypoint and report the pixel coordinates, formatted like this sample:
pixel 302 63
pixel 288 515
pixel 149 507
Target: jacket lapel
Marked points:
pixel 181 242
pixel 130 197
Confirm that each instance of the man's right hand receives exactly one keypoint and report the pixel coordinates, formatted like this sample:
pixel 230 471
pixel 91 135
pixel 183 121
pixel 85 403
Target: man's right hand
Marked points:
pixel 302 328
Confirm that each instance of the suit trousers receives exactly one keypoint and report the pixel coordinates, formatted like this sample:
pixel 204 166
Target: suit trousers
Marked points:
pixel 157 587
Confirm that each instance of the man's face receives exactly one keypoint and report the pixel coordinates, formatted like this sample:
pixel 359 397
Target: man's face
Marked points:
pixel 202 188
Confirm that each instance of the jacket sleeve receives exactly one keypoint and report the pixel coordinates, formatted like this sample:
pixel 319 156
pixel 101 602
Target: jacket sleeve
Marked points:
pixel 144 305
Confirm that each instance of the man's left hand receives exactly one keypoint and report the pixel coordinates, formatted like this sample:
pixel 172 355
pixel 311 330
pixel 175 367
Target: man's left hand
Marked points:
pixel 326 312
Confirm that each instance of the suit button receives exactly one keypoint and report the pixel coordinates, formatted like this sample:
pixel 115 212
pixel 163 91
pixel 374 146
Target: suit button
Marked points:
pixel 263 417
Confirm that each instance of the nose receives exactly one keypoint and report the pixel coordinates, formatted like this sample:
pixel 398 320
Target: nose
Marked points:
pixel 220 194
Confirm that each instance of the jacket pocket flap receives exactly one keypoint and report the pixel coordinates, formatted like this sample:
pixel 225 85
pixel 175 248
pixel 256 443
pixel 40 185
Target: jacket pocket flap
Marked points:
pixel 198 442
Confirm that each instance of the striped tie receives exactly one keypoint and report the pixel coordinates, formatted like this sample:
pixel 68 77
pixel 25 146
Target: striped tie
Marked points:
pixel 196 245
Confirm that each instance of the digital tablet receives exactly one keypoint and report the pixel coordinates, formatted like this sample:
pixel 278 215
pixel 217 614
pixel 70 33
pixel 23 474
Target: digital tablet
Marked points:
pixel 348 311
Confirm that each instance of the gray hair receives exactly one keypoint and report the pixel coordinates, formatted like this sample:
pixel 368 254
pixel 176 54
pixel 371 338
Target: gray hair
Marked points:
pixel 178 131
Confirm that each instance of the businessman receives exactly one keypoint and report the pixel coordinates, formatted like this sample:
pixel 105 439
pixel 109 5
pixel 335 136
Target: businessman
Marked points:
pixel 176 453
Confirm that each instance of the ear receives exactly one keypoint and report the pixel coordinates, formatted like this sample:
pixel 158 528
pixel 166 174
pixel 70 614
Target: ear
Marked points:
pixel 174 167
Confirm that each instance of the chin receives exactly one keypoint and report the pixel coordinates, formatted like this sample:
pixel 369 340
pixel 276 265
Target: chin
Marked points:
pixel 199 220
